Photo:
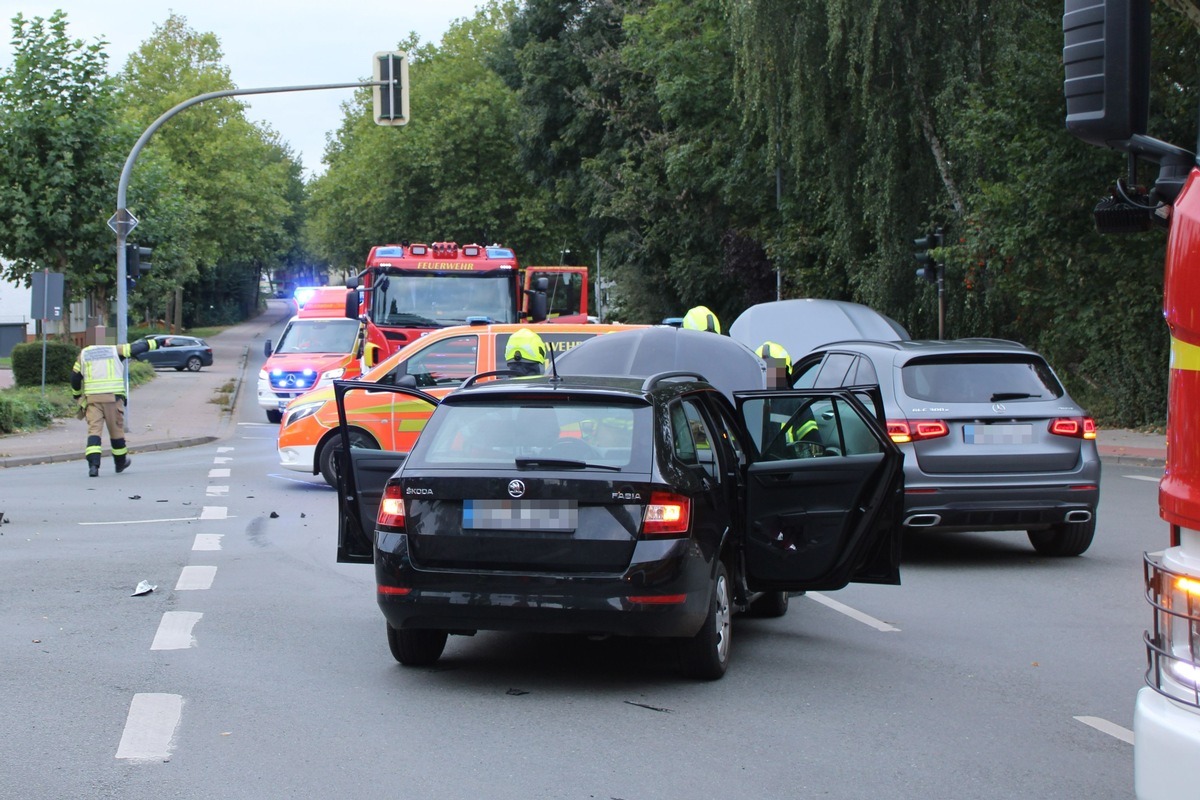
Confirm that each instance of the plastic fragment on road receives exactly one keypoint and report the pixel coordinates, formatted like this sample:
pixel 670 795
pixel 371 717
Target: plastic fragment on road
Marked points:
pixel 143 588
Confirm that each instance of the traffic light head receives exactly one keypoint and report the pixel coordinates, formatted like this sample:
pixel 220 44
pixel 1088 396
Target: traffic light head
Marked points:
pixel 137 260
pixel 927 266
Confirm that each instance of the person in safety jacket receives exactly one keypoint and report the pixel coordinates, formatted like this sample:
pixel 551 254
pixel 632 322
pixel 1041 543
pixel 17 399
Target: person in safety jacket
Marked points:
pixel 525 353
pixel 779 364
pixel 98 386
pixel 700 318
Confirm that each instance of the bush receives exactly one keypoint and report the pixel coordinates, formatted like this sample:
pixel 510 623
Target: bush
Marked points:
pixel 27 363
pixel 26 409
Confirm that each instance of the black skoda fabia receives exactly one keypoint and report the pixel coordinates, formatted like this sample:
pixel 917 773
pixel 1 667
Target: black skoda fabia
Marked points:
pixel 619 505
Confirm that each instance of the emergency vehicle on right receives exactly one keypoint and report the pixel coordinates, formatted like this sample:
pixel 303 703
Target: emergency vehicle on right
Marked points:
pixel 1106 56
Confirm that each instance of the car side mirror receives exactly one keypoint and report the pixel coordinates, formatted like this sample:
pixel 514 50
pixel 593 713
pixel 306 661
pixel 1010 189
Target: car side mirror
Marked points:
pixel 267 348
pixel 406 381
pixel 371 355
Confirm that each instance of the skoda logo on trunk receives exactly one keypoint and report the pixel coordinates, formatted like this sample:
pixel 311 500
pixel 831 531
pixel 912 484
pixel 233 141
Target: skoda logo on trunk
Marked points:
pixel 516 488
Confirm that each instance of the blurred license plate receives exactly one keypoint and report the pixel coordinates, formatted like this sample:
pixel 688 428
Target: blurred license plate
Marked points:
pixel 521 515
pixel 998 434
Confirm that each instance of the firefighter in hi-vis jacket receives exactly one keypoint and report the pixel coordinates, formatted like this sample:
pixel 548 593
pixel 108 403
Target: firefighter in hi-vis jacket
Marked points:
pixel 98 385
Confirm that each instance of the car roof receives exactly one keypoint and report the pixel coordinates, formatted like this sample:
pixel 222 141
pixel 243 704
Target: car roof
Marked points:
pixel 727 364
pixel 913 348
pixel 806 324
pixel 620 387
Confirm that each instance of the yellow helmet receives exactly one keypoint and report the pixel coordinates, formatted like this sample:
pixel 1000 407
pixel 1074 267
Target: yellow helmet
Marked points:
pixel 701 319
pixel 525 345
pixel 768 350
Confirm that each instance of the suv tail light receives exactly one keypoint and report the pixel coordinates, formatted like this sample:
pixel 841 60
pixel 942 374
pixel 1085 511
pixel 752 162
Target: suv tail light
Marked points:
pixel 1076 427
pixel 391 507
pixel 667 514
pixel 902 430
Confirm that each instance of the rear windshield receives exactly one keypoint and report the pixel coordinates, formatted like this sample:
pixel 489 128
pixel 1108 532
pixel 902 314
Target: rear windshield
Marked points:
pixel 492 435
pixel 980 380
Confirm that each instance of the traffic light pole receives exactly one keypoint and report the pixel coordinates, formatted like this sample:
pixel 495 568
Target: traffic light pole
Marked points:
pixel 123 222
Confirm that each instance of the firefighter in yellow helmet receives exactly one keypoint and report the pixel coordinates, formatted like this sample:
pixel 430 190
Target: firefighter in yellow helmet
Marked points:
pixel 98 386
pixel 525 353
pixel 776 357
pixel 700 318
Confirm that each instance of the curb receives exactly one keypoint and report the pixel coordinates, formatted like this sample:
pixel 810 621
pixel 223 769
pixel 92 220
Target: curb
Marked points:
pixel 25 461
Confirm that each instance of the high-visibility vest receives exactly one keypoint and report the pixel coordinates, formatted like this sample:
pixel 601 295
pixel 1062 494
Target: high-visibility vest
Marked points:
pixel 101 369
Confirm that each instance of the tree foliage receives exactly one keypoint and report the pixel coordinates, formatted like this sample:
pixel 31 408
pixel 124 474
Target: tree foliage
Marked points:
pixel 58 158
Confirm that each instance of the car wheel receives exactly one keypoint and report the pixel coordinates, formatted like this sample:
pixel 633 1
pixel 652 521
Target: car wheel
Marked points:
pixel 274 416
pixel 333 444
pixel 415 648
pixel 706 655
pixel 1065 539
pixel 770 605
pixel 193 364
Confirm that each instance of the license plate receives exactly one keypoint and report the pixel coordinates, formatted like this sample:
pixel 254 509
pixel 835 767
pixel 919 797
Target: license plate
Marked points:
pixel 999 433
pixel 521 515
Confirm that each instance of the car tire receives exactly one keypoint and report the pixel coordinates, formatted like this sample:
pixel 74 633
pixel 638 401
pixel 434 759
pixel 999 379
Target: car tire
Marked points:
pixel 705 656
pixel 193 364
pixel 358 438
pixel 274 417
pixel 1065 539
pixel 416 648
pixel 770 605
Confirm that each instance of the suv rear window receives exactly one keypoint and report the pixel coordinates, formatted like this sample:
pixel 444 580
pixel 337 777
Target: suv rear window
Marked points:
pixel 496 434
pixel 979 379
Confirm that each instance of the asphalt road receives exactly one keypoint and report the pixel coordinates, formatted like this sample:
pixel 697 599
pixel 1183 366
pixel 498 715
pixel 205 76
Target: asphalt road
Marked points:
pixel 259 667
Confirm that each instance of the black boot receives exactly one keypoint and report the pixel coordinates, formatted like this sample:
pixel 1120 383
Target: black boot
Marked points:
pixel 123 464
pixel 93 470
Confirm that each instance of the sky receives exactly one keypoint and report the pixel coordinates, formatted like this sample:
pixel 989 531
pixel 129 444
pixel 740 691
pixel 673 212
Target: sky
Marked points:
pixel 265 43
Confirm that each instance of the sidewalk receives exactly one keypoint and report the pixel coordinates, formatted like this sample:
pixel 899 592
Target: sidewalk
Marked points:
pixel 176 409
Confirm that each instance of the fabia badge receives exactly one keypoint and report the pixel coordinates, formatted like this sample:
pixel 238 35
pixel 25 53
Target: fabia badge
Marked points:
pixel 516 488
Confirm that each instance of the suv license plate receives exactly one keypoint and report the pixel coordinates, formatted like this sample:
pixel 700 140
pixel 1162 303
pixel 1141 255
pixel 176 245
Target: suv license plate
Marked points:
pixel 998 434
pixel 521 515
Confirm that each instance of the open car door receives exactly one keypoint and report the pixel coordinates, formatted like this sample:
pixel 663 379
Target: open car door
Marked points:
pixel 362 475
pixel 824 492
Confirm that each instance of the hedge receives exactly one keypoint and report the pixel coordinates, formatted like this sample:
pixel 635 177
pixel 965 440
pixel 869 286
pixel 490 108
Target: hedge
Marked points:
pixel 27 362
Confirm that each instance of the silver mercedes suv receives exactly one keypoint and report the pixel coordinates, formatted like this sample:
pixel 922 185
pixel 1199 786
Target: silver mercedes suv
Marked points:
pixel 991 439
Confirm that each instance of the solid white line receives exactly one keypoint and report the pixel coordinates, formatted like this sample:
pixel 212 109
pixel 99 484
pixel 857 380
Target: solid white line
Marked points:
pixel 878 625
pixel 139 521
pixel 218 473
pixel 208 541
pixel 175 630
pixel 193 578
pixel 150 727
pixel 259 424
pixel 214 512
pixel 1142 478
pixel 216 491
pixel 1111 728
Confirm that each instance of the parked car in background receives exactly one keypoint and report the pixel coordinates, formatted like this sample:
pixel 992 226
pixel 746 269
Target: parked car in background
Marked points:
pixel 991 439
pixel 631 505
pixel 185 352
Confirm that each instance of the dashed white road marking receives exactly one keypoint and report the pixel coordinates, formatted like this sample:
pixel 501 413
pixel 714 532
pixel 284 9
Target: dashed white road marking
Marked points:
pixel 1111 728
pixel 207 541
pixel 216 491
pixel 222 459
pixel 224 449
pixel 218 473
pixel 194 578
pixel 214 512
pixel 175 630
pixel 150 727
pixel 853 613
pixel 1142 478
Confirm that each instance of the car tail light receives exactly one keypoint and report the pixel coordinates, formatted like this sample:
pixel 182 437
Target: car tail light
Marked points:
pixel 903 430
pixel 391 507
pixel 1076 427
pixel 667 514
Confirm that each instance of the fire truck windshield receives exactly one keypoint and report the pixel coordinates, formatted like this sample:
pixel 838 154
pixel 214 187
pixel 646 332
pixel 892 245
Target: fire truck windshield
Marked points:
pixel 318 336
pixel 440 300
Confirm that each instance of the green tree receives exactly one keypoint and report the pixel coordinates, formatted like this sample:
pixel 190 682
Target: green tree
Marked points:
pixel 59 159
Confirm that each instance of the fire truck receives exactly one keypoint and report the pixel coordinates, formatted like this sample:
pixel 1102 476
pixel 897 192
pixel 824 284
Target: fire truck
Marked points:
pixel 1106 56
pixel 408 290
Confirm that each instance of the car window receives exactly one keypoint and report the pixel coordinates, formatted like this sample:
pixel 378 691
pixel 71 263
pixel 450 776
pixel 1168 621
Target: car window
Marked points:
pixel 862 373
pixel 692 437
pixel 980 379
pixel 787 428
pixel 804 375
pixel 559 343
pixel 449 361
pixel 487 435
pixel 833 371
